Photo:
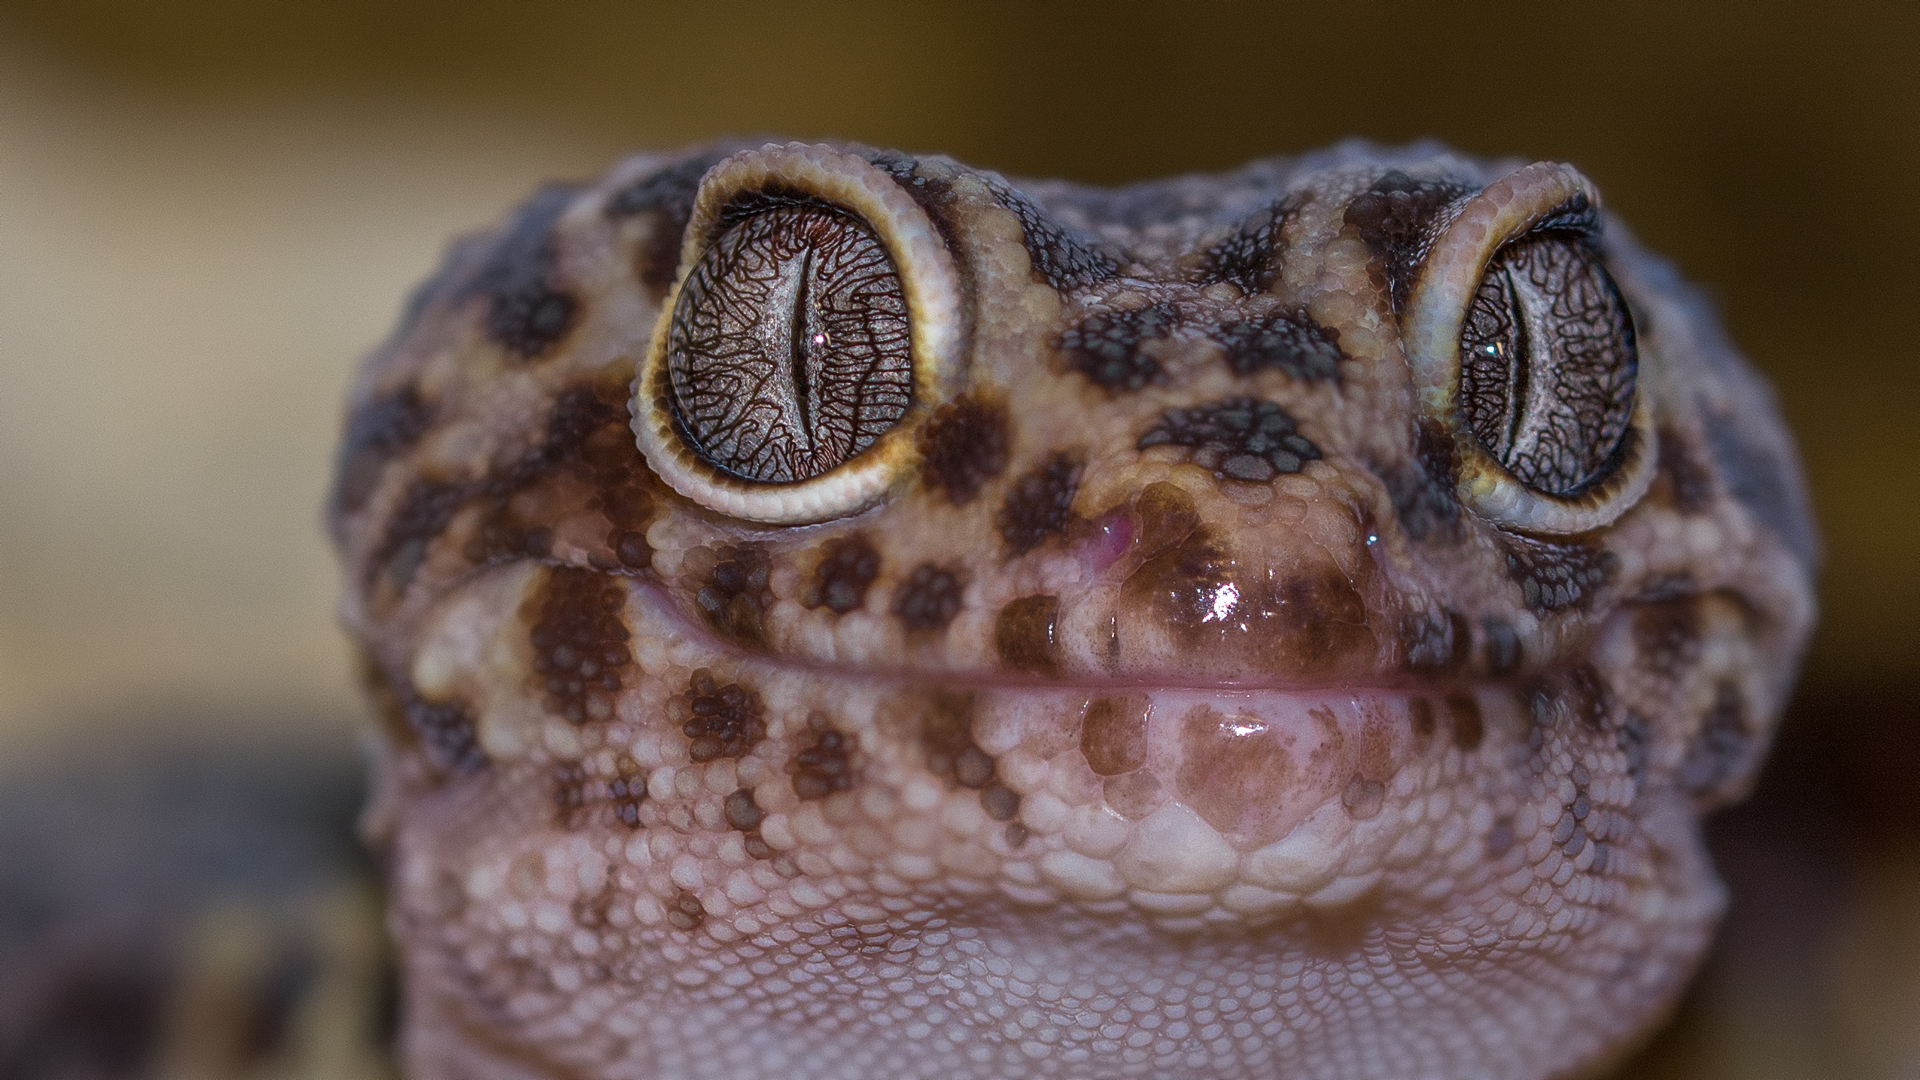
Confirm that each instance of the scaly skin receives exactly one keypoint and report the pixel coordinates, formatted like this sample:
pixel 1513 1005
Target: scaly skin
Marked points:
pixel 1064 757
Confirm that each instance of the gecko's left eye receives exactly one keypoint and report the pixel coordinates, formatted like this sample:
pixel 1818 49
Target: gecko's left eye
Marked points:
pixel 812 327
pixel 1525 350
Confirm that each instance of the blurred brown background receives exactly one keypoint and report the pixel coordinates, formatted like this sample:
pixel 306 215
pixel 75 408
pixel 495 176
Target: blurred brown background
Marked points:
pixel 209 210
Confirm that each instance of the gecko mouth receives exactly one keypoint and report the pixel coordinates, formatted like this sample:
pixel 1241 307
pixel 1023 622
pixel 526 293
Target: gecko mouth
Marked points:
pixel 1246 797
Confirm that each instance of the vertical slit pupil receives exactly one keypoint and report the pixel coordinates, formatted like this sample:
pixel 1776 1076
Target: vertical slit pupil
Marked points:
pixel 790 350
pixel 1548 362
pixel 797 343
pixel 1521 360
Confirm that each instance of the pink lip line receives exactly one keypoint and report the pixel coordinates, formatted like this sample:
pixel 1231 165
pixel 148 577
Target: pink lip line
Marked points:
pixel 662 606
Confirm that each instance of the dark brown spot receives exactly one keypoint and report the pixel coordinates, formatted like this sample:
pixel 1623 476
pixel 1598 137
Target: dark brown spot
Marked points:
pixel 1106 346
pixel 1421 488
pixel 962 446
pixel 685 913
pixel 734 595
pixel 847 567
pixel 1503 651
pixel 1722 744
pixel 587 442
pixel 1317 618
pixel 1588 697
pixel 579 413
pixel 1303 622
pixel 741 811
pixel 1437 642
pixel 424 512
pixel 621 481
pixel 1113 734
pixel 668 194
pixel 1362 798
pixel 1040 505
pixel 377 431
pixel 625 791
pixel 721 721
pixel 579 636
pixel 1246 259
pixel 569 792
pixel 1060 258
pixel 1556 576
pixel 450 730
pixel 1667 636
pixel 1396 219
pixel 825 765
pixel 1375 759
pixel 946 731
pixel 1016 835
pixel 999 802
pixel 446 730
pixel 1241 438
pixel 1420 719
pixel 1233 770
pixel 929 598
pixel 1680 479
pixel 632 549
pixel 528 312
pixel 1024 635
pixel 1463 717
pixel 670 188
pixel 503 536
pixel 1292 344
pixel 1167 517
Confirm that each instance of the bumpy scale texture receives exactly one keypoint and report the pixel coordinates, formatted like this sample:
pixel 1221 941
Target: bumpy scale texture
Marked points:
pixel 1239 750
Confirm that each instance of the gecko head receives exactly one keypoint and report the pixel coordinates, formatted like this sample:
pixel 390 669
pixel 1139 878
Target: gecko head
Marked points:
pixel 846 614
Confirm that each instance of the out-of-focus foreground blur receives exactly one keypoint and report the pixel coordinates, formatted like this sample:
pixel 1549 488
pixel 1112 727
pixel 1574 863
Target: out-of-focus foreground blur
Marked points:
pixel 209 210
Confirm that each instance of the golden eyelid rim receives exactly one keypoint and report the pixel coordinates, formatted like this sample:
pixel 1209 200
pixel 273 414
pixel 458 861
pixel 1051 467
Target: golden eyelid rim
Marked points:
pixel 928 280
pixel 1436 309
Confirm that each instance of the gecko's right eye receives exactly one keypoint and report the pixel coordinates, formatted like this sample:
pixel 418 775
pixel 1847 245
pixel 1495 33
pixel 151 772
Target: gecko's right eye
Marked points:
pixel 1523 347
pixel 814 326
pixel 790 349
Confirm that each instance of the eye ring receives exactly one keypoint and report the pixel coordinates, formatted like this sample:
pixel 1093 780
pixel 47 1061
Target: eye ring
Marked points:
pixel 1540 196
pixel 839 183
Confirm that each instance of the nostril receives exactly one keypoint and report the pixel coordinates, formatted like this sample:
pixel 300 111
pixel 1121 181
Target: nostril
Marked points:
pixel 1105 540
